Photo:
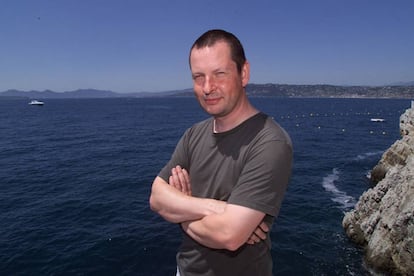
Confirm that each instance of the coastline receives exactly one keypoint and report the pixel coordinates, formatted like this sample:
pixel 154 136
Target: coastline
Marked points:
pixel 253 90
pixel 382 221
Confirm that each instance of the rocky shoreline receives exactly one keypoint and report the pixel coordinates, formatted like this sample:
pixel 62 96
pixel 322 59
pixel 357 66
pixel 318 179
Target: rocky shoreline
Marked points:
pixel 382 221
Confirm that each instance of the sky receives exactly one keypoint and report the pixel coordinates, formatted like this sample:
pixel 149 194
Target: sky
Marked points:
pixel 143 46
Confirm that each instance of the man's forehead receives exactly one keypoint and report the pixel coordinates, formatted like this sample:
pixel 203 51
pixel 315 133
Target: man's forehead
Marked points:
pixel 221 49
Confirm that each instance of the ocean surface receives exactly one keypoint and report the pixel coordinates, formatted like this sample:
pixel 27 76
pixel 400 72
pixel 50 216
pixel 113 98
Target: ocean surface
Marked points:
pixel 75 177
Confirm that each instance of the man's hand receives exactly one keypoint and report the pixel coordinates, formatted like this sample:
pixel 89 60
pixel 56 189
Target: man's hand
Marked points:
pixel 180 180
pixel 259 234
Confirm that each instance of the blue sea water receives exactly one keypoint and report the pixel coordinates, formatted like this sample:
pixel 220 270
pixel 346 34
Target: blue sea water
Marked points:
pixel 75 177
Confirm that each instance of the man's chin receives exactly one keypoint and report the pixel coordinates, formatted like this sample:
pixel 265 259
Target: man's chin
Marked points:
pixel 211 110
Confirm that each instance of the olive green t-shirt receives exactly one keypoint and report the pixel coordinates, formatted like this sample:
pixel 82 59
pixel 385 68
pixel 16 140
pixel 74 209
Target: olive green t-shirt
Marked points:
pixel 250 166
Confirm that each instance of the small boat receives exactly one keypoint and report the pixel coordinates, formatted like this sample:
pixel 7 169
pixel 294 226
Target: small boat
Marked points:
pixel 36 102
pixel 377 120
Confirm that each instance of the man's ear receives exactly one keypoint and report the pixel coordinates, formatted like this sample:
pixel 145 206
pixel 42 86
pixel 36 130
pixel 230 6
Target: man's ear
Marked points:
pixel 245 73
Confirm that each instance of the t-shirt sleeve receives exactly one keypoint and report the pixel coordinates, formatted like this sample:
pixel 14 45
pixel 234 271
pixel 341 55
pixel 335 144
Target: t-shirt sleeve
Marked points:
pixel 264 178
pixel 179 157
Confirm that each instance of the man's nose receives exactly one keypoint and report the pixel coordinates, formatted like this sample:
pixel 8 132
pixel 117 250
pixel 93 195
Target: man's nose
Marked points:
pixel 209 85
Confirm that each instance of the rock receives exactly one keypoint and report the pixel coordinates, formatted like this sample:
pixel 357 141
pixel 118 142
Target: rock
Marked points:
pixel 383 218
pixel 398 153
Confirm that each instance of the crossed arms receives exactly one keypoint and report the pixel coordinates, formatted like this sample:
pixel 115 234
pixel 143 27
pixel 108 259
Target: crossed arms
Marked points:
pixel 213 223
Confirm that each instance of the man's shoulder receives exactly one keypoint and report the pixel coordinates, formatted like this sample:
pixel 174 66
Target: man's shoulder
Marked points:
pixel 274 131
pixel 201 124
pixel 199 127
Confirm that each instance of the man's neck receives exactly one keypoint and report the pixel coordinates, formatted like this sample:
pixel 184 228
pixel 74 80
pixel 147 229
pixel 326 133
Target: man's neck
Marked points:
pixel 222 124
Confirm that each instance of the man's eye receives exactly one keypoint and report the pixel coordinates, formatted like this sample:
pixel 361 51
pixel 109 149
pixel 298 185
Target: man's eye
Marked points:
pixel 198 78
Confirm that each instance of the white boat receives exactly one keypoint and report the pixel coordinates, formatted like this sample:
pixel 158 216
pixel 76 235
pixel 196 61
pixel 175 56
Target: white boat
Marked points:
pixel 36 102
pixel 377 120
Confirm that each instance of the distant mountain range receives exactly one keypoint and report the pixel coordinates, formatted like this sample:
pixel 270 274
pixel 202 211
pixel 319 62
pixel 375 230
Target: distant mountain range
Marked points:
pixel 254 90
pixel 81 93
pixel 401 83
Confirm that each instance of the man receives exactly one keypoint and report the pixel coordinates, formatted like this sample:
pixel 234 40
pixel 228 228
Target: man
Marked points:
pixel 227 177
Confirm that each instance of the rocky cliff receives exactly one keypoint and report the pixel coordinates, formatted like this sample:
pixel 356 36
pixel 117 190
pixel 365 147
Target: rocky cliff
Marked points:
pixel 383 219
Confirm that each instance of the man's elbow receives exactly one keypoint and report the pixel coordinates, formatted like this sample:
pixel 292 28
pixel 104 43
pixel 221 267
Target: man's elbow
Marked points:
pixel 157 208
pixel 231 241
pixel 234 244
pixel 155 199
pixel 153 204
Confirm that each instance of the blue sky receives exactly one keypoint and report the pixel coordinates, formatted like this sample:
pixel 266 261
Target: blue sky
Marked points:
pixel 133 46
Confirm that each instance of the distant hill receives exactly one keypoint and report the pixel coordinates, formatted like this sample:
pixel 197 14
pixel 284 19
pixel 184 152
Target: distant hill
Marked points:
pixel 330 91
pixel 253 90
pixel 86 93
pixel 48 94
pixel 407 83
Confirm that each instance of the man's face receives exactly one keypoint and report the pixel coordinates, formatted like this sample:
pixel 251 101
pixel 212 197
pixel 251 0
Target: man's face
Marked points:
pixel 218 85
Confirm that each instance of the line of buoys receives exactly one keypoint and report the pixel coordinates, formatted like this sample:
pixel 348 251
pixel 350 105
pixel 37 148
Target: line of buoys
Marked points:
pixel 344 130
pixel 315 114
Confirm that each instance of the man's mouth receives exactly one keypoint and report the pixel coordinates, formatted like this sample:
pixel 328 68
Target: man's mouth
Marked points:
pixel 211 101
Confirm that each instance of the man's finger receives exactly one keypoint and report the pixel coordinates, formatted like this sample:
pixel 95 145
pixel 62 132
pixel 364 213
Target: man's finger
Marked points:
pixel 181 179
pixel 187 183
pixel 175 181
pixel 264 227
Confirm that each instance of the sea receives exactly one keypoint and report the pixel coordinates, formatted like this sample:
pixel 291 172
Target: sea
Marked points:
pixel 76 174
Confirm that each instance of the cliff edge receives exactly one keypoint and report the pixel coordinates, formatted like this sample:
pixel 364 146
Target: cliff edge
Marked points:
pixel 383 219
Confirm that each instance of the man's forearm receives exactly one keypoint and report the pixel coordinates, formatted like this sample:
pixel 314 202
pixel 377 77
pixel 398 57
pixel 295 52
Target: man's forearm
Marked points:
pixel 174 206
pixel 228 230
pixel 201 231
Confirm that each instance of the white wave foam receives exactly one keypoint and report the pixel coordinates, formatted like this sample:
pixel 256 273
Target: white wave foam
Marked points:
pixel 338 196
pixel 368 174
pixel 367 155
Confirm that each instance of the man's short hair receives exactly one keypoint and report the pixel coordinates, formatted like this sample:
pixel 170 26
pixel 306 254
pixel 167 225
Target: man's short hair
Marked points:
pixel 211 37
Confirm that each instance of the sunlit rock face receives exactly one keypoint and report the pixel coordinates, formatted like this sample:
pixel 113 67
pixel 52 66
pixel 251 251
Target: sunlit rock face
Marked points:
pixel 383 219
